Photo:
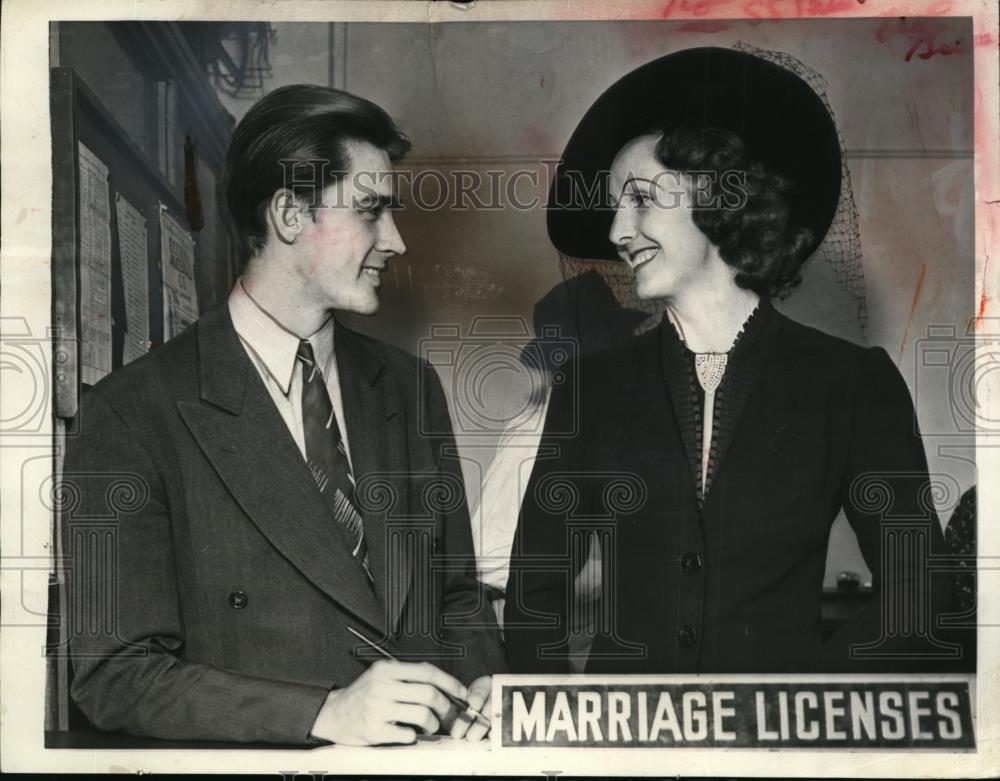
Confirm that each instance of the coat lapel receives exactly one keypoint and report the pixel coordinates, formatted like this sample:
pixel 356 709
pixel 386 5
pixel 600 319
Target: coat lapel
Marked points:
pixel 680 382
pixel 746 361
pixel 377 441
pixel 249 445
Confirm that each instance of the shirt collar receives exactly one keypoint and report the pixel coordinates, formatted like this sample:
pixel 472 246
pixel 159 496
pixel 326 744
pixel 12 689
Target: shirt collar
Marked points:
pixel 273 345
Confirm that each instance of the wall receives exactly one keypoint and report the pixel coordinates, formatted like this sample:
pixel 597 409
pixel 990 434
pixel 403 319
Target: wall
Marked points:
pixel 129 82
pixel 300 53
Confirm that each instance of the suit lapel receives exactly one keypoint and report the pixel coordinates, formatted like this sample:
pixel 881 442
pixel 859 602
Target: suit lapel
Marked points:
pixel 248 444
pixel 377 442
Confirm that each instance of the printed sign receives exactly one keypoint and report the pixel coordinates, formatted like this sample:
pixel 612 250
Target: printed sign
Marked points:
pixel 911 713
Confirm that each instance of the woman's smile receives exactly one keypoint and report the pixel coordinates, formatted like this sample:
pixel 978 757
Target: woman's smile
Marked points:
pixel 641 257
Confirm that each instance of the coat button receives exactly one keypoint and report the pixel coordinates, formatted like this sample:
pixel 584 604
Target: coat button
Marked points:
pixel 238 600
pixel 687 636
pixel 691 563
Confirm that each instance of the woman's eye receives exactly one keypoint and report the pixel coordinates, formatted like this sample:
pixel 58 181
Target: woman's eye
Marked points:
pixel 634 199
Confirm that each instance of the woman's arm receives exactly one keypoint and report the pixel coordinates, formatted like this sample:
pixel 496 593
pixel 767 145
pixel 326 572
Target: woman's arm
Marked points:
pixel 887 496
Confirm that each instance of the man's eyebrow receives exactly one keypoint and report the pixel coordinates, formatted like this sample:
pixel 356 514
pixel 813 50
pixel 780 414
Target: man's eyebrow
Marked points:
pixel 373 201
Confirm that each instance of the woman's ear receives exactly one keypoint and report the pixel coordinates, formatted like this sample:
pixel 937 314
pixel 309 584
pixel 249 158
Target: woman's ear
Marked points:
pixel 286 215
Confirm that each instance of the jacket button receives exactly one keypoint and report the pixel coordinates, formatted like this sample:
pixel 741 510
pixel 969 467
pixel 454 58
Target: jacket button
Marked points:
pixel 238 600
pixel 687 636
pixel 691 563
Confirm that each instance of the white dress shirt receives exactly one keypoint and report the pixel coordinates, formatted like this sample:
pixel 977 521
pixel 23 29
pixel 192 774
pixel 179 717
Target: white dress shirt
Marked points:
pixel 495 516
pixel 272 350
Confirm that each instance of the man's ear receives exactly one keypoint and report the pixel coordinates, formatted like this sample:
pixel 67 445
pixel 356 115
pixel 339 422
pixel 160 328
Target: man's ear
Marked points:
pixel 287 215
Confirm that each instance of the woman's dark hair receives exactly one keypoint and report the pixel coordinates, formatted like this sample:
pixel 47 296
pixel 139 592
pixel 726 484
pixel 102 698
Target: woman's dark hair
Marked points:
pixel 747 208
pixel 304 124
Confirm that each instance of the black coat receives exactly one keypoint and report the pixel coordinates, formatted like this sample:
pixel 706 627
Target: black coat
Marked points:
pixel 810 424
pixel 210 589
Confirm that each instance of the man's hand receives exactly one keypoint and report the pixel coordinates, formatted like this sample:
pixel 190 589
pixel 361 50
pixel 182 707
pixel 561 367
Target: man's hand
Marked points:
pixel 466 725
pixel 389 703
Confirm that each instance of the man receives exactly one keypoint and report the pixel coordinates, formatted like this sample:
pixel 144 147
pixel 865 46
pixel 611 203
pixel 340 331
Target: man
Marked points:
pixel 281 495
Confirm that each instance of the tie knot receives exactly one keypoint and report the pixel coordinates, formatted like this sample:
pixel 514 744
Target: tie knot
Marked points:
pixel 305 353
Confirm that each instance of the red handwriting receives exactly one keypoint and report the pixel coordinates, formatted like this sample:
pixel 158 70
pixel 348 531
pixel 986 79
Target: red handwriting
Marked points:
pixel 763 9
pixel 777 9
pixel 685 7
pixel 923 39
pixel 824 7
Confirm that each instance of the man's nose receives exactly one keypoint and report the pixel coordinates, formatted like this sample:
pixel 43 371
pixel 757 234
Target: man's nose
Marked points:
pixel 622 228
pixel 389 239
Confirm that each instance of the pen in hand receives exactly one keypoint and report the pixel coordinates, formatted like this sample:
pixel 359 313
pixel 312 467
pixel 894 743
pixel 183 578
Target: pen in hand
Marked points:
pixel 465 706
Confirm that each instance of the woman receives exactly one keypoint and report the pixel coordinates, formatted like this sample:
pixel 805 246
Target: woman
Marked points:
pixel 713 454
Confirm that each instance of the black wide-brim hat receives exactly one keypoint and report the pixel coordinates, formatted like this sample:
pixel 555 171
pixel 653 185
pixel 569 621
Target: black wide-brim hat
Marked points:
pixel 783 123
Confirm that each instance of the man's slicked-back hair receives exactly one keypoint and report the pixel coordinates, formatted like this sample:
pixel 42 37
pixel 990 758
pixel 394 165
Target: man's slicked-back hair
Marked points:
pixel 301 127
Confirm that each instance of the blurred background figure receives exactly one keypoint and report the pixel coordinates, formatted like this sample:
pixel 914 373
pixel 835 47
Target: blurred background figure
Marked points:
pixel 580 315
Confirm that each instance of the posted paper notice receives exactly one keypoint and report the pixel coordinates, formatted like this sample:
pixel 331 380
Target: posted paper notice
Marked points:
pixel 95 268
pixel 180 297
pixel 135 274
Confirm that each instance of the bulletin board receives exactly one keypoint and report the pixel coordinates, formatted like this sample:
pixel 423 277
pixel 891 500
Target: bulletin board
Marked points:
pixel 111 206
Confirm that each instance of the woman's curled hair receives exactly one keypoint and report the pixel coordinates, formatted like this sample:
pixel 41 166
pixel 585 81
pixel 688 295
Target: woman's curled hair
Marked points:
pixel 747 216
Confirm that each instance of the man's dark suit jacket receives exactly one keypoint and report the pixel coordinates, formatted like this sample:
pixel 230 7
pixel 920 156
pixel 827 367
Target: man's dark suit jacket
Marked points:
pixel 210 588
pixel 734 586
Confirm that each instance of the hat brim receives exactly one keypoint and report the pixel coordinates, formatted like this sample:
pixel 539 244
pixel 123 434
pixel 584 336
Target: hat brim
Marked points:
pixel 783 123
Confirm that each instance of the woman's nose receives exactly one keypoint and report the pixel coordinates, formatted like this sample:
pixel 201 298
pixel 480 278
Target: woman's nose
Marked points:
pixel 622 227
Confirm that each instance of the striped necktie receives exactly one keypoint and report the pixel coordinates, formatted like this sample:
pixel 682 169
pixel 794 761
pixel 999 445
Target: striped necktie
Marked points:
pixel 327 456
